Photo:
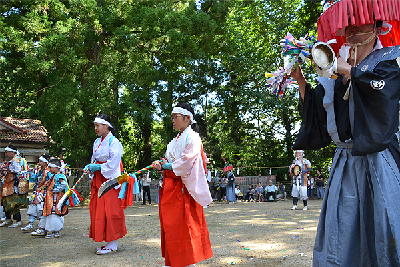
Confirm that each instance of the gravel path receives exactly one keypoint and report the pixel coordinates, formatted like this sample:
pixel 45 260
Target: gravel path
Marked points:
pixel 242 234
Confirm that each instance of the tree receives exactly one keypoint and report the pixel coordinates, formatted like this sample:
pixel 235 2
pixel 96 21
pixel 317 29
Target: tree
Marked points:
pixel 65 61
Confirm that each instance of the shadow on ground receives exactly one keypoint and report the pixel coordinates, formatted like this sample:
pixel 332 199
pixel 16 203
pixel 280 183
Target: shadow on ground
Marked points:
pixel 242 234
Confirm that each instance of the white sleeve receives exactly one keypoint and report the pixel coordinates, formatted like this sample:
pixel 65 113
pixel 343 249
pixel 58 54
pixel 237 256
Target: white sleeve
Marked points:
pixel 190 168
pixel 308 163
pixel 14 167
pixel 111 168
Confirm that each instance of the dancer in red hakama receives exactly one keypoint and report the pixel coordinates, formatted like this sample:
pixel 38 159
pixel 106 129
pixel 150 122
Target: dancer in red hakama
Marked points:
pixel 107 218
pixel 184 234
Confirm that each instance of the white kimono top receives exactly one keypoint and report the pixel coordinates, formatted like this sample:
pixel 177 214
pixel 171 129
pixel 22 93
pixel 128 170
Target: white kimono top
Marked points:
pixel 109 153
pixel 185 154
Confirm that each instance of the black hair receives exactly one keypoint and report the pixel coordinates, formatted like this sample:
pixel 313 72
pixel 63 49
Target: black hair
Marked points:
pixel 107 118
pixel 56 162
pixel 188 107
pixel 46 156
pixel 12 147
pixel 378 23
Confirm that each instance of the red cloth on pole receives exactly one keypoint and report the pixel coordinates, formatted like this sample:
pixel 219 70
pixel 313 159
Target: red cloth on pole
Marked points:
pixel 184 234
pixel 128 200
pixel 107 218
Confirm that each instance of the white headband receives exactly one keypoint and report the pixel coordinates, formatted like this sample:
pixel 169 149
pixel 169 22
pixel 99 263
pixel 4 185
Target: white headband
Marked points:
pixel 102 121
pixel 43 159
pixel 54 165
pixel 185 112
pixel 11 150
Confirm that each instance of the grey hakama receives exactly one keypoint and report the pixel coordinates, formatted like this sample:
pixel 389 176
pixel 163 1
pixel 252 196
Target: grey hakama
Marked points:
pixel 359 223
pixel 361 204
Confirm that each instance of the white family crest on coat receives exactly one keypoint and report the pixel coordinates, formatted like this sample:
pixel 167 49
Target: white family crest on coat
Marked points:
pixel 364 68
pixel 377 85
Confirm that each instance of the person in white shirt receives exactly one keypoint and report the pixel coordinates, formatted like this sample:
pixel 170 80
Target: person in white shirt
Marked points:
pixel 270 190
pixel 238 193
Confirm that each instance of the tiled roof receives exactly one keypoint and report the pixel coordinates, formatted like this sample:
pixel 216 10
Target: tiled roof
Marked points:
pixel 22 130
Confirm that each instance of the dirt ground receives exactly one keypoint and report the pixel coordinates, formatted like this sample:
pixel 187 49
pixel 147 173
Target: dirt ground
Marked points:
pixel 242 234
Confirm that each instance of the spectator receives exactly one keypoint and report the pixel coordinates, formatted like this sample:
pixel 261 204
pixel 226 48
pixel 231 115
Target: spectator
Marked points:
pixel 270 190
pixel 310 188
pixel 222 187
pixel 159 186
pixel 146 187
pixel 215 185
pixel 140 184
pixel 320 185
pixel 238 193
pixel 250 193
pixel 230 188
pixel 209 181
pixel 281 191
pixel 259 191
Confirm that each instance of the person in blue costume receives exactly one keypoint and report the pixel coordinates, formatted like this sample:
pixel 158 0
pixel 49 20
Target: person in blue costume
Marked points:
pixel 13 196
pixel 359 222
pixel 35 208
pixel 53 219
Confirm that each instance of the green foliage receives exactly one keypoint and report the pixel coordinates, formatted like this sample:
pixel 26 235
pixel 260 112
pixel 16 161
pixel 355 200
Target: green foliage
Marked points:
pixel 65 61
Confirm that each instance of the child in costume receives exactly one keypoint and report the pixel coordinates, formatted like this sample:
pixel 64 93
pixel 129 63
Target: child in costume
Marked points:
pixel 299 182
pixel 359 221
pixel 184 234
pixel 35 209
pixel 53 219
pixel 107 218
pixel 14 189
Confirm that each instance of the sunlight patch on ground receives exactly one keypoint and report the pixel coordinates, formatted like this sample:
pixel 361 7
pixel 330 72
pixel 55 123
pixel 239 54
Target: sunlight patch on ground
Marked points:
pixel 258 222
pixel 15 257
pixel 306 221
pixel 261 245
pixel 229 260
pixel 53 264
pixel 153 240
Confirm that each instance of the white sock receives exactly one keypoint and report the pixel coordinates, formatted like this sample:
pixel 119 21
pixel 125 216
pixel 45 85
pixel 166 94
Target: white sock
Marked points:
pixel 112 245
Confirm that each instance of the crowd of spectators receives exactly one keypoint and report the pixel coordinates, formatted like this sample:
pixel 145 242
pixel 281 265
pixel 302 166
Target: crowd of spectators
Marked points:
pixel 243 193
pixel 260 193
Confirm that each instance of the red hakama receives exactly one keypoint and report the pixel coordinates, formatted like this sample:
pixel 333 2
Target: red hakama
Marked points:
pixel 107 218
pixel 184 234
